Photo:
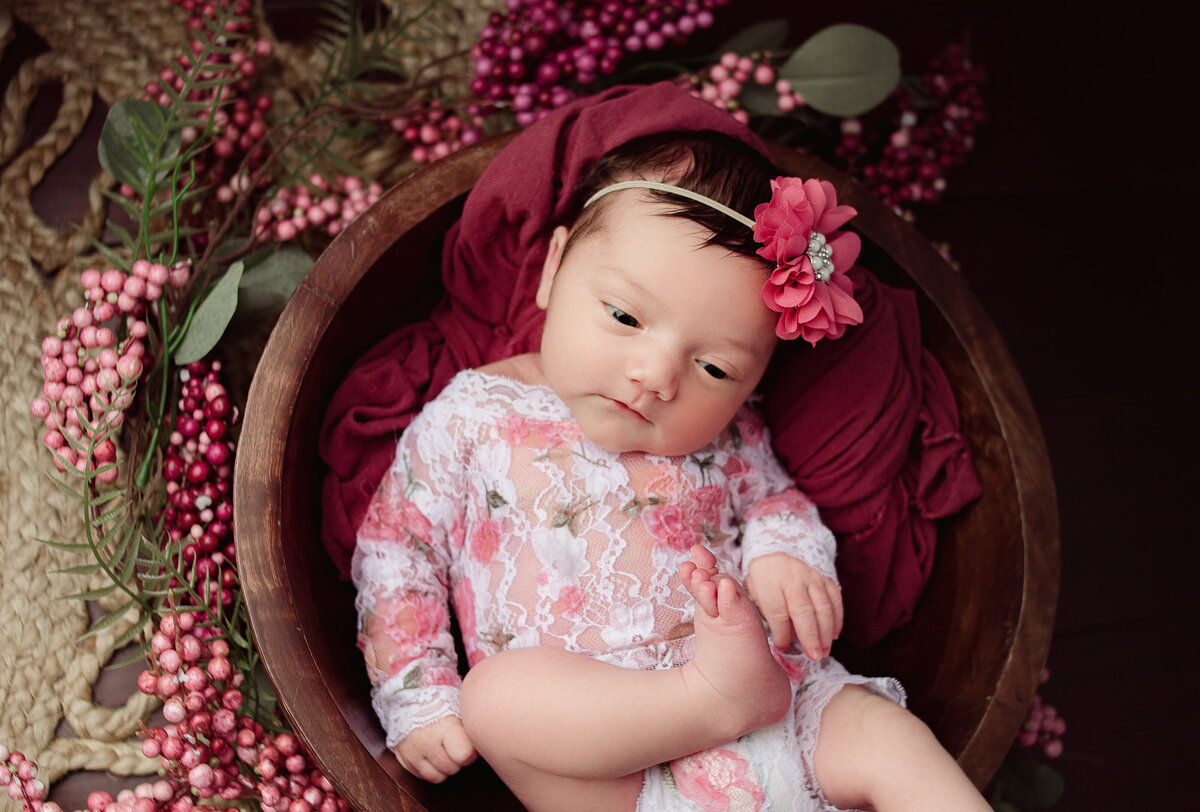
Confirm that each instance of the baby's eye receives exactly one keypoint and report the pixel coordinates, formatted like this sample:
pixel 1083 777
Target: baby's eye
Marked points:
pixel 621 316
pixel 713 370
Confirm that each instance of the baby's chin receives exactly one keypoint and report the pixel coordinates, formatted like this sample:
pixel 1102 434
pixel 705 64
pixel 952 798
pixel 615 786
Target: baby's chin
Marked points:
pixel 663 447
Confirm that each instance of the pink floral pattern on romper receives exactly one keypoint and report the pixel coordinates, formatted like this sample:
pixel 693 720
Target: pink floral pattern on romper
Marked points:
pixel 718 780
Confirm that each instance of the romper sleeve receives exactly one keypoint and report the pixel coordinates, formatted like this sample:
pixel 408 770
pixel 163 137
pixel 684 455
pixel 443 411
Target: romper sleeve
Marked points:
pixel 401 569
pixel 775 517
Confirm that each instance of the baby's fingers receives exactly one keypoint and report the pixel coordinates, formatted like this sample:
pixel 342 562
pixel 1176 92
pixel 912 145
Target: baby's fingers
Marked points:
pixel 458 747
pixel 824 615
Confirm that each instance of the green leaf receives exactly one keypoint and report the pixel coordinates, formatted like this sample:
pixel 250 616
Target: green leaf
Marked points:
pixel 759 100
pixel 268 286
pixel 82 569
pixel 212 317
pixel 1028 782
pixel 844 70
pixel 768 35
pixel 69 546
pixel 135 138
pixel 109 619
pixel 92 594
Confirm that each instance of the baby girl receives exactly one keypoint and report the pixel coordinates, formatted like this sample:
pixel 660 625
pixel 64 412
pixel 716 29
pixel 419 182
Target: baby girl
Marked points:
pixel 612 529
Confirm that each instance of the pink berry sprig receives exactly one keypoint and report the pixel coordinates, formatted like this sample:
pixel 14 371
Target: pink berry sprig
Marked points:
pixel 721 85
pixel 238 126
pixel 207 748
pixel 18 775
pixel 538 55
pixel 92 363
pixel 905 161
pixel 326 205
pixel 434 131
pixel 1043 726
pixel 198 469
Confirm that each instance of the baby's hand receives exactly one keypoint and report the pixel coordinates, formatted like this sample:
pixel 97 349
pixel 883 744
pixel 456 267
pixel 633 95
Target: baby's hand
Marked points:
pixel 796 600
pixel 437 751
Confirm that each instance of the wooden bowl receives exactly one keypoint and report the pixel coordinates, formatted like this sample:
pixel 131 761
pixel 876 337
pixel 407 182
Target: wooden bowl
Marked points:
pixel 970 659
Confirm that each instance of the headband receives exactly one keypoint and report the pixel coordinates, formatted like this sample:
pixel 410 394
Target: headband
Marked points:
pixel 798 232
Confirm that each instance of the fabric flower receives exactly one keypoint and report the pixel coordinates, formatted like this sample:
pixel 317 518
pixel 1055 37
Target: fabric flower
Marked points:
pixel 400 630
pixel 672 527
pixel 718 780
pixel 391 516
pixel 485 541
pixel 798 232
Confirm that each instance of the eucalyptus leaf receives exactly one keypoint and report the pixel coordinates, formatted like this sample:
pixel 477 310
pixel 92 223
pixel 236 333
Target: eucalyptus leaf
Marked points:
pixel 759 100
pixel 211 318
pixel 844 70
pixel 768 35
pixel 137 139
pixel 1027 781
pixel 268 285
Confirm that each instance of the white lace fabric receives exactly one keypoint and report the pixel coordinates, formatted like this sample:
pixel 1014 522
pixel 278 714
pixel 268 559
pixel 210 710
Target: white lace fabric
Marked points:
pixel 497 505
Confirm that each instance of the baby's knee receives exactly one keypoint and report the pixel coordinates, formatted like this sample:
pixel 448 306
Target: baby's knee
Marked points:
pixel 871 751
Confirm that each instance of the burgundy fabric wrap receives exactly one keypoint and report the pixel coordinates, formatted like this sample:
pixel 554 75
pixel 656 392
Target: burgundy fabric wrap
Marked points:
pixel 844 417
pixel 868 428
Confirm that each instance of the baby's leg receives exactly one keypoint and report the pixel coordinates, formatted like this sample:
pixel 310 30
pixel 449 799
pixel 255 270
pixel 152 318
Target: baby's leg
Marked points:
pixel 554 724
pixel 873 754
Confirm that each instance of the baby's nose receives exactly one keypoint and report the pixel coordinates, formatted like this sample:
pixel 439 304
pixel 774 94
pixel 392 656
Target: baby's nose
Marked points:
pixel 656 371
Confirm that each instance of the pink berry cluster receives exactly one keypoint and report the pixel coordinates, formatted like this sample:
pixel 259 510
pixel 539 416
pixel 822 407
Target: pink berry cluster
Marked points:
pixel 198 468
pixel 207 748
pixel 92 363
pixel 721 85
pixel 538 54
pixel 925 136
pixel 322 204
pixel 18 775
pixel 1043 726
pixel 239 123
pixel 434 131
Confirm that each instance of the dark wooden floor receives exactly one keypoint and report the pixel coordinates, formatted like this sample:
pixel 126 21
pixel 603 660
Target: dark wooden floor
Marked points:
pixel 1075 225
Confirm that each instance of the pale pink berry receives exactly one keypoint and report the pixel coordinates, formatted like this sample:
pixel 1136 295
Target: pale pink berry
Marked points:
pixel 112 281
pixel 178 275
pixel 157 274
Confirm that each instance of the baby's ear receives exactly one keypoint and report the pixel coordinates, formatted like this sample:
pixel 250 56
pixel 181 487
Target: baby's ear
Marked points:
pixel 554 255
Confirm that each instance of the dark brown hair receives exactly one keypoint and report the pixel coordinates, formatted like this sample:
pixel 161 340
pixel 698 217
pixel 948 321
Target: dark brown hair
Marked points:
pixel 711 163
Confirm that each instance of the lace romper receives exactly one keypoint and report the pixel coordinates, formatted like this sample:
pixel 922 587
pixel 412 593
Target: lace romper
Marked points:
pixel 498 506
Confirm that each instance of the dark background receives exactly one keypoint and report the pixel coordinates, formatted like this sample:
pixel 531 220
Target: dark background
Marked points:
pixel 1074 224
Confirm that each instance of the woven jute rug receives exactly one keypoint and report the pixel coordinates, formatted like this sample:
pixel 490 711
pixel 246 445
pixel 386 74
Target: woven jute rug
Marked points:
pixel 99 51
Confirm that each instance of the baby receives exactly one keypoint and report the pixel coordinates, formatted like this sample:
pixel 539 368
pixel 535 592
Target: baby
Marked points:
pixel 592 511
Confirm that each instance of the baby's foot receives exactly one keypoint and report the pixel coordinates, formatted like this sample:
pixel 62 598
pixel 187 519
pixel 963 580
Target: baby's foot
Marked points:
pixel 733 659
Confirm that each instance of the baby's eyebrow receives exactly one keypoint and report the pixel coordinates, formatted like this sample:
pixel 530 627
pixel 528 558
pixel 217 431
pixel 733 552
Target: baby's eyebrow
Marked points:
pixel 628 278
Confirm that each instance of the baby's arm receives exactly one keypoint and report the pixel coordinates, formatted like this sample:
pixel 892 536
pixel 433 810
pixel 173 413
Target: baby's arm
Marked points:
pixel 787 552
pixel 400 568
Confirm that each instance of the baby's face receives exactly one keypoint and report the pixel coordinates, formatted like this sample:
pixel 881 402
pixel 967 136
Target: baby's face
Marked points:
pixel 652 339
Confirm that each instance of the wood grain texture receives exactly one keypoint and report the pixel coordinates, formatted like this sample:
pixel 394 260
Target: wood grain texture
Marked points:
pixel 970 658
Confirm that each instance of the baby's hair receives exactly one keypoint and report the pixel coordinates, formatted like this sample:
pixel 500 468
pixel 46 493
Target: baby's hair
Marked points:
pixel 716 165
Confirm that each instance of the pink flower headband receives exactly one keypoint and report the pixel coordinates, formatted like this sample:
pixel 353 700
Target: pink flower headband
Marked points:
pixel 798 232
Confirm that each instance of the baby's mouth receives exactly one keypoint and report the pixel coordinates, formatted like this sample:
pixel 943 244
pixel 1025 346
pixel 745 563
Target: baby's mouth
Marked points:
pixel 626 408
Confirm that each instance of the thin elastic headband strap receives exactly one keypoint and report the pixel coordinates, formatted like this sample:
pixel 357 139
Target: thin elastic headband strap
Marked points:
pixel 674 190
